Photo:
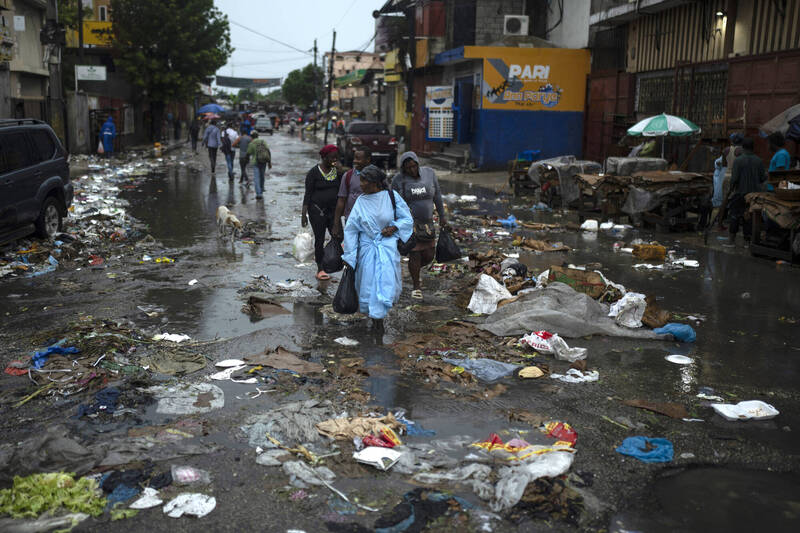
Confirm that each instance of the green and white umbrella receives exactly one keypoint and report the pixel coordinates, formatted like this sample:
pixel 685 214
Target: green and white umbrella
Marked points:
pixel 663 124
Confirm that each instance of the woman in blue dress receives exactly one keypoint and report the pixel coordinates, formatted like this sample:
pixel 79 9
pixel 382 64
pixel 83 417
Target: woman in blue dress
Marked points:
pixel 370 243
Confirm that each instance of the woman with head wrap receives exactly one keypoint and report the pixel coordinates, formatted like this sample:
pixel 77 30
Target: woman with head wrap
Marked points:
pixel 378 218
pixel 319 202
pixel 419 188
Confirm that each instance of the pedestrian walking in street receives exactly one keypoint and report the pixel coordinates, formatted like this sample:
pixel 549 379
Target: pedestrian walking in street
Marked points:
pixel 108 132
pixel 242 142
pixel 212 140
pixel 258 152
pixel 229 136
pixel 194 133
pixel 781 158
pixel 319 201
pixel 419 187
pixel 350 189
pixel 177 129
pixel 378 218
pixel 748 176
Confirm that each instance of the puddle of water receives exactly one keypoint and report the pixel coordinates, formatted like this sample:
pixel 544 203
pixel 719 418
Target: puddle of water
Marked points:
pixel 720 499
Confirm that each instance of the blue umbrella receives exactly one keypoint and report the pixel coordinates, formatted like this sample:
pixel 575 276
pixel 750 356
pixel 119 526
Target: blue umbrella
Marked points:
pixel 211 108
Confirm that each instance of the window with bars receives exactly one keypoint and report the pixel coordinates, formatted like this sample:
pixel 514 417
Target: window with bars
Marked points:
pixel 440 124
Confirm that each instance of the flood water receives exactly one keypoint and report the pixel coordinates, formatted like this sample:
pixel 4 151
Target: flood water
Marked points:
pixel 746 312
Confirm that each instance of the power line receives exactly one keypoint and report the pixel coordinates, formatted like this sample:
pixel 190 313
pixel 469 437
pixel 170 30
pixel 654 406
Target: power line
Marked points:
pixel 271 38
pixel 262 50
pixel 346 11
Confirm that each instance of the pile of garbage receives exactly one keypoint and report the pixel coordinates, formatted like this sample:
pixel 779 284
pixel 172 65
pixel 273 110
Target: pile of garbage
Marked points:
pixel 97 226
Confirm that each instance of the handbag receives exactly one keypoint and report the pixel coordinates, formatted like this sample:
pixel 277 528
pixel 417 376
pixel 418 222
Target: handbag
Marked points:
pixel 406 247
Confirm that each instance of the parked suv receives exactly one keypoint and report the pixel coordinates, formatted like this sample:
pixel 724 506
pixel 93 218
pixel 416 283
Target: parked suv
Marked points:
pixel 372 135
pixel 34 180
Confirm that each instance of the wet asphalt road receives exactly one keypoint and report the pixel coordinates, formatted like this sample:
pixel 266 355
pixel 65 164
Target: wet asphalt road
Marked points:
pixel 747 348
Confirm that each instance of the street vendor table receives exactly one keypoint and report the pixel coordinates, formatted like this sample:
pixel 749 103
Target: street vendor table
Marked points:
pixel 782 239
pixel 668 198
pixel 602 195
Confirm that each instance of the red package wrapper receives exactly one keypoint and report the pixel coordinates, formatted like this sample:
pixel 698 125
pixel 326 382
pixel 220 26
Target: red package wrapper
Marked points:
pixel 561 431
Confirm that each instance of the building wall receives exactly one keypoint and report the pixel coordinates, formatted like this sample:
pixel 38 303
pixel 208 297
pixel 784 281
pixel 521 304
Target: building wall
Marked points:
pixel 499 135
pixel 490 19
pixel 690 33
pixel 573 30
pixel 28 51
pixel 764 26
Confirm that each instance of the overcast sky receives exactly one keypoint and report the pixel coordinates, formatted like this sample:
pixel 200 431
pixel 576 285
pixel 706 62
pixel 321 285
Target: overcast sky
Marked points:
pixel 296 23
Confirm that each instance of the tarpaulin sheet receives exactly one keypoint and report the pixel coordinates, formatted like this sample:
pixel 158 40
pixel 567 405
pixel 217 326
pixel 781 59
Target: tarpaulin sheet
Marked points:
pixel 559 309
pixel 567 168
pixel 627 166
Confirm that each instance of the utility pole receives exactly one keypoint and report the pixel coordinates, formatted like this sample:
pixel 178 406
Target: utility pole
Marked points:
pixel 330 85
pixel 316 91
pixel 80 30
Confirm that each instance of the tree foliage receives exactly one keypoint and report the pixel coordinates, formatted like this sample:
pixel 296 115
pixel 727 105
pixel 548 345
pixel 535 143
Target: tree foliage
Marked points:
pixel 68 13
pixel 301 86
pixel 167 47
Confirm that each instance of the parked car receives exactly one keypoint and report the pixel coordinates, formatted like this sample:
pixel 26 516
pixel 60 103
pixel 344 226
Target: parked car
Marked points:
pixel 34 180
pixel 264 125
pixel 372 135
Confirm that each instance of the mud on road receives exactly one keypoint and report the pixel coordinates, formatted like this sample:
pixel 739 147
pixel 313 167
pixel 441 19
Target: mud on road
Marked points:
pixel 724 474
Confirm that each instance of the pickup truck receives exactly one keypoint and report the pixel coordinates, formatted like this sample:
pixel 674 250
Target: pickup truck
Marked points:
pixel 372 135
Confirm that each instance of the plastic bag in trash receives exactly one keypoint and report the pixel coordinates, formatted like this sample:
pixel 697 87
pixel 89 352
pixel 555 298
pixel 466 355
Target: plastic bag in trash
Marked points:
pixel 332 257
pixel 303 246
pixel 379 457
pixel 548 343
pixel 647 450
pixel 681 332
pixel 488 292
pixel 188 475
pixel 197 505
pixel 346 300
pixel 513 480
pixel 589 225
pixel 446 248
pixel 510 222
pixel 629 310
pixel 485 369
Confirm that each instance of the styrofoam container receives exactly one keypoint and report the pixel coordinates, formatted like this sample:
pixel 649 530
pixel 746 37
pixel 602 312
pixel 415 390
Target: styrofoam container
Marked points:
pixel 747 410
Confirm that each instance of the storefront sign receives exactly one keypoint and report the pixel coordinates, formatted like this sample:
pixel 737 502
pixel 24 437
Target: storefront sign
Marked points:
pixel 90 73
pixel 532 79
pixel 439 96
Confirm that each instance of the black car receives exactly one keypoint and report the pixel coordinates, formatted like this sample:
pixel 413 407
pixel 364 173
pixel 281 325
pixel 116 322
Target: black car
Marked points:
pixel 34 180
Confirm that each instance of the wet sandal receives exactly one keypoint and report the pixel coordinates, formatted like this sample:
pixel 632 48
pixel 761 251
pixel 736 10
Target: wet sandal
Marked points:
pixel 416 294
pixel 323 276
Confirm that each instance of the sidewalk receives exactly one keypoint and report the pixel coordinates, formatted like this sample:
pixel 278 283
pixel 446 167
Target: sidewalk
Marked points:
pixel 79 163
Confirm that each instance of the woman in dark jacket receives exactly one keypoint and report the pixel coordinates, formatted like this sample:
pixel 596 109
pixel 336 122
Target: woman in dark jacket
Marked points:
pixel 319 202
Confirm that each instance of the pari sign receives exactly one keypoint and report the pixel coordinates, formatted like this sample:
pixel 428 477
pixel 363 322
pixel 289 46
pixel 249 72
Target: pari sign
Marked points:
pixel 532 79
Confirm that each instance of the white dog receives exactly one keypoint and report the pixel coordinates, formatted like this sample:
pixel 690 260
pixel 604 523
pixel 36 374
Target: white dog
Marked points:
pixel 226 219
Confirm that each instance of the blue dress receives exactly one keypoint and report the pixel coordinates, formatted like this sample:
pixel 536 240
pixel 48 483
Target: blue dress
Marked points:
pixel 375 257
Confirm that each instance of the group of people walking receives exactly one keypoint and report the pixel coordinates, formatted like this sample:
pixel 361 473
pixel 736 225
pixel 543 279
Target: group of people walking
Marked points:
pixel 379 216
pixel 252 149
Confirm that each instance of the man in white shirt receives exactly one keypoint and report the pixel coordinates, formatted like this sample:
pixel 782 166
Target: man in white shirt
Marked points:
pixel 228 150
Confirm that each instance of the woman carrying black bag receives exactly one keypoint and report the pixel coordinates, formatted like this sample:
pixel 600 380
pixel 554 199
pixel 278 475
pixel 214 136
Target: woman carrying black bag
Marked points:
pixel 378 219
pixel 419 187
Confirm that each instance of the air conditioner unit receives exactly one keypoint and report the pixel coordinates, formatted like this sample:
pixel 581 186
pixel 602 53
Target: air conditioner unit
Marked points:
pixel 515 25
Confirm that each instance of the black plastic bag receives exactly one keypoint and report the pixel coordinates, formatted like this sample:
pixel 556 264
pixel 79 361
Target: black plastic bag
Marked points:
pixel 346 300
pixel 332 257
pixel 405 247
pixel 446 248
